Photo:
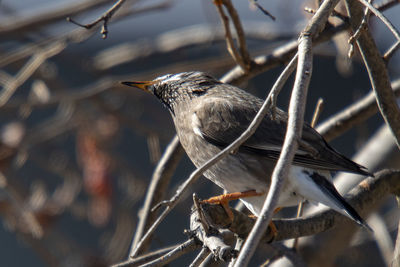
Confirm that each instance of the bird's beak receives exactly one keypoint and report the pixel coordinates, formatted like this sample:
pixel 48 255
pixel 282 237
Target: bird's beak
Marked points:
pixel 144 85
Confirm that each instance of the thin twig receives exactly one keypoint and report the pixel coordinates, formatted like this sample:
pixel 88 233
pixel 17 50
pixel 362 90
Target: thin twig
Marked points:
pixel 22 24
pixel 157 189
pixel 146 258
pixel 105 18
pixel 263 10
pixel 203 254
pixel 24 213
pixel 385 5
pixel 278 56
pixel 273 95
pixel 230 45
pixel 357 33
pixel 209 260
pixel 334 14
pixel 184 248
pixel 382 17
pixel 29 68
pixel 281 54
pixel 75 36
pixel 317 112
pixel 240 33
pixel 391 51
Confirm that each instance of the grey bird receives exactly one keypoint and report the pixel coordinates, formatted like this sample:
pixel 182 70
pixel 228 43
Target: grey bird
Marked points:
pixel 209 115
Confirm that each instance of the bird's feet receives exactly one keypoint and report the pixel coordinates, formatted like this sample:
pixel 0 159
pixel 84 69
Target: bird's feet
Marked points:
pixel 224 199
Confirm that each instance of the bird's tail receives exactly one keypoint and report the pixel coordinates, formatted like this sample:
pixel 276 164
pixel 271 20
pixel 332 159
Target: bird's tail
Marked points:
pixel 336 201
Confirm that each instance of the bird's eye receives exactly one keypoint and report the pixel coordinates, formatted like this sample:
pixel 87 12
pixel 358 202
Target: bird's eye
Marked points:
pixel 198 91
pixel 207 83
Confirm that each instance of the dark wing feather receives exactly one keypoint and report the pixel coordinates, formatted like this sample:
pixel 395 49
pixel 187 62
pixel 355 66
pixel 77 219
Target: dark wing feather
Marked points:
pixel 221 123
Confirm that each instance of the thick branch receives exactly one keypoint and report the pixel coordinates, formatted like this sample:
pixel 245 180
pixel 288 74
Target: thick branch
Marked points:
pixel 377 72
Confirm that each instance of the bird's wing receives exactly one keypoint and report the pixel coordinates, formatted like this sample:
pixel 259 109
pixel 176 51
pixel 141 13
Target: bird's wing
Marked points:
pixel 220 123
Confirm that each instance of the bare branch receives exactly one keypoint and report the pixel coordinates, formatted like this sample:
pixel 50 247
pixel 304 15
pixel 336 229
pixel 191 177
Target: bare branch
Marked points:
pixel 30 67
pixel 174 254
pixel 20 25
pixel 273 94
pixel 387 5
pixel 277 57
pixel 263 10
pixel 317 112
pixel 363 25
pixel 382 17
pixel 76 36
pixel 203 254
pixel 229 39
pixel 105 18
pixel 240 33
pixel 376 68
pixel 282 54
pixel 391 51
pixel 157 189
pixel 146 258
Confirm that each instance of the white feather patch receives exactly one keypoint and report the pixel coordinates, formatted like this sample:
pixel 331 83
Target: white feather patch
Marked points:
pixel 306 187
pixel 196 124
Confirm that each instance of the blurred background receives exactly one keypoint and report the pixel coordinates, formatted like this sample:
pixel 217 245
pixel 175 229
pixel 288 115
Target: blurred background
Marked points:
pixel 77 150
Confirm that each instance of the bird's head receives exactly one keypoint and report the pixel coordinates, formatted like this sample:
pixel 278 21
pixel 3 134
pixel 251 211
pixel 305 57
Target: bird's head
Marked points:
pixel 172 89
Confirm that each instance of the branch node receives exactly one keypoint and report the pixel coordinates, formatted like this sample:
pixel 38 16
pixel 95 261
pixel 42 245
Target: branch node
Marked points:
pixel 105 17
pixel 160 204
pixel 69 19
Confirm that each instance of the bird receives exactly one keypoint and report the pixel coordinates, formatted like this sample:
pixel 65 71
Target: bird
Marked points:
pixel 209 115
